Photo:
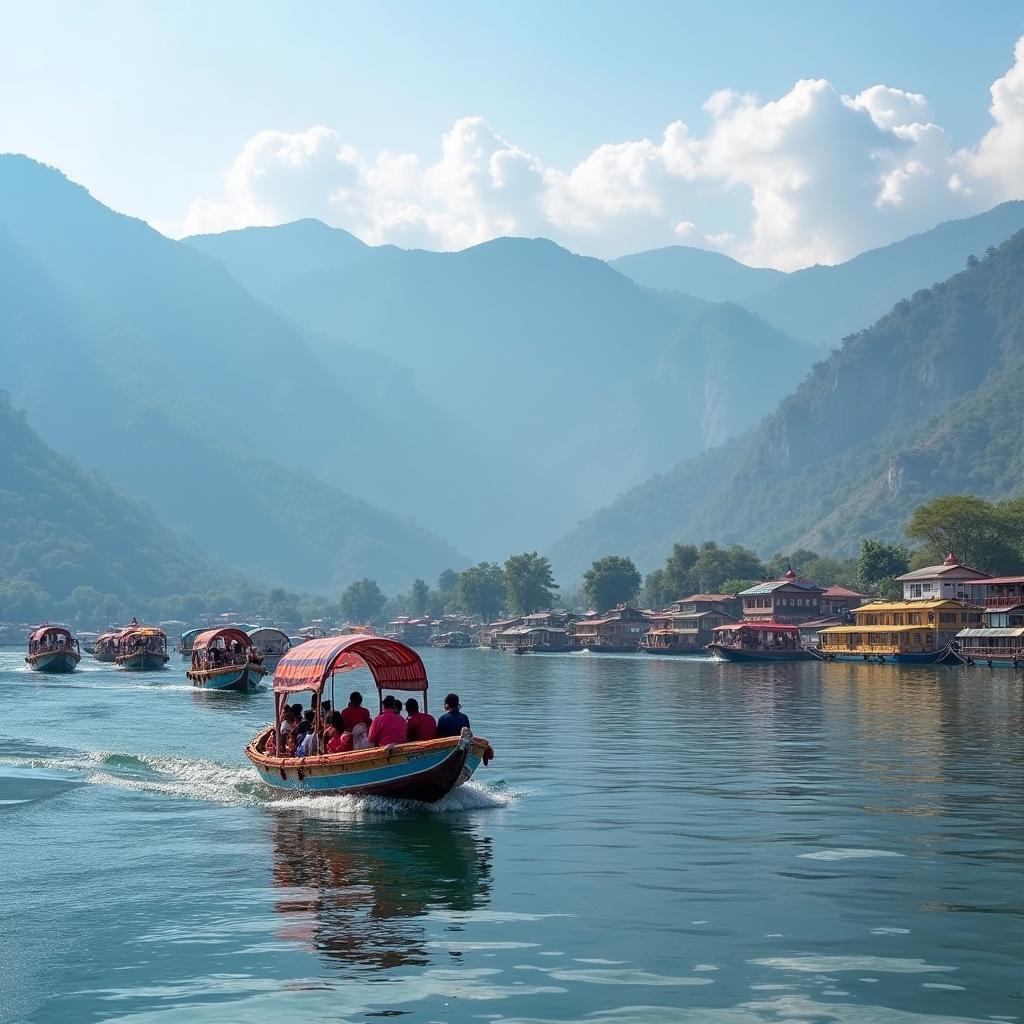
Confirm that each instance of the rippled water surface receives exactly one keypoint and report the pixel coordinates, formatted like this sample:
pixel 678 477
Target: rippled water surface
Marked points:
pixel 659 840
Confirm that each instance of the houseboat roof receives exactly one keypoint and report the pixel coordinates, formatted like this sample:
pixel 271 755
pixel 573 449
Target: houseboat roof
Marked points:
pixel 705 597
pixel 1004 580
pixel 949 569
pixel 817 624
pixel 871 629
pixel 903 606
pixel 760 625
pixel 266 632
pixel 524 630
pixel 997 631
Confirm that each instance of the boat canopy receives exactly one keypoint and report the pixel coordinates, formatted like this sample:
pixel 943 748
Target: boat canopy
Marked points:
pixel 110 634
pixel 392 665
pixel 190 634
pixel 37 634
pixel 995 631
pixel 228 633
pixel 143 631
pixel 267 634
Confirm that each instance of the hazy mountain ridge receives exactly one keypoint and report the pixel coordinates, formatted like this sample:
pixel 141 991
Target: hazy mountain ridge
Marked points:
pixel 921 404
pixel 145 357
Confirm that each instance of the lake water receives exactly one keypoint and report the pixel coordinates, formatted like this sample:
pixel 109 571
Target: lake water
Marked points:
pixel 659 840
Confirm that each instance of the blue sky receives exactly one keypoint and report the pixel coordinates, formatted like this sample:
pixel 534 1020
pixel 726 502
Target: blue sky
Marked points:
pixel 149 104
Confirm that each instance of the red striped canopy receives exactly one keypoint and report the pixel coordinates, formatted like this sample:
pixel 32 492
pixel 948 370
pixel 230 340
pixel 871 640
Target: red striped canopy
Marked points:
pixel 762 626
pixel 392 665
pixel 229 633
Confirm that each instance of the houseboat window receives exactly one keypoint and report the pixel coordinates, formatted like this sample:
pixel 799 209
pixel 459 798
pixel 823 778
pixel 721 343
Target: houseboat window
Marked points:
pixel 949 617
pixel 915 619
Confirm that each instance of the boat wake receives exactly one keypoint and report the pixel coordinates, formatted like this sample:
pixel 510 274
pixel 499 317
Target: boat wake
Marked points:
pixel 201 779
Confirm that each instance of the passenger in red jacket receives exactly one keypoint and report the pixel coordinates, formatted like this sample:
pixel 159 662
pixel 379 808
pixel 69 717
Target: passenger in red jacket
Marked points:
pixel 389 726
pixel 355 712
pixel 418 725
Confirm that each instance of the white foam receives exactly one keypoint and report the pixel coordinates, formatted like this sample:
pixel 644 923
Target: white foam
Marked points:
pixel 849 853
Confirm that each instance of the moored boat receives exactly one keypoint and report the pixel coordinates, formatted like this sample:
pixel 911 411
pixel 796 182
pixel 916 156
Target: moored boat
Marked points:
pixel 187 639
pixel 225 659
pixel 455 639
pixel 141 648
pixel 271 645
pixel 669 641
pixel 52 649
pixel 758 641
pixel 425 771
pixel 917 632
pixel 1000 643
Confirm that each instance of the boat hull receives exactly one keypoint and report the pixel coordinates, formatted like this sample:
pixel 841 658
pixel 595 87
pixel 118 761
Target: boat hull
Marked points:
pixel 424 772
pixel 244 678
pixel 723 653
pixel 924 658
pixel 104 656
pixel 675 652
pixel 142 661
pixel 54 661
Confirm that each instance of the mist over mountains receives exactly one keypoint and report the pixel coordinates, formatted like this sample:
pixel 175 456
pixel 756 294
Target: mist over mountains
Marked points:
pixel 313 410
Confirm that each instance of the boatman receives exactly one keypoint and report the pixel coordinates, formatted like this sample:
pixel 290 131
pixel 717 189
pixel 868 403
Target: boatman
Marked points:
pixel 453 721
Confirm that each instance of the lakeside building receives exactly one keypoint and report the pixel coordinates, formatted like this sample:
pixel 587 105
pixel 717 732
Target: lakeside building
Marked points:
pixel 617 630
pixel 535 639
pixel 414 632
pixel 950 581
pixel 917 631
pixel 687 625
pixel 787 601
pixel 1000 642
pixel 840 601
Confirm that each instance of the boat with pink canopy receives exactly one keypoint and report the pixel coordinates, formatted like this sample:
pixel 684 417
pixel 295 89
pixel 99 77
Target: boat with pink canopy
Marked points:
pixel 426 770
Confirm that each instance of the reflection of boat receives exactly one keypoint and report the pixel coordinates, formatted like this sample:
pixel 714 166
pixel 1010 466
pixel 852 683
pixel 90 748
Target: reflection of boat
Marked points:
pixel 141 648
pixel 271 645
pixel 52 649
pixel 758 641
pixel 105 647
pixel 355 894
pixel 225 659
pixel 426 770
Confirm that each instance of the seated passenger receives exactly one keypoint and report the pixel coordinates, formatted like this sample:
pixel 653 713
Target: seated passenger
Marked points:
pixel 289 744
pixel 340 740
pixel 270 747
pixel 419 725
pixel 360 739
pixel 310 745
pixel 453 721
pixel 355 712
pixel 389 726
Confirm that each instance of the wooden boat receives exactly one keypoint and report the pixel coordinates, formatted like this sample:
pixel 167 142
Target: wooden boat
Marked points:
pixel 105 647
pixel 424 771
pixel 186 640
pixel 671 641
pixel 758 641
pixel 141 648
pixel 225 659
pixel 271 645
pixel 52 649
pixel 918 632
pixel 454 640
pixel 1000 643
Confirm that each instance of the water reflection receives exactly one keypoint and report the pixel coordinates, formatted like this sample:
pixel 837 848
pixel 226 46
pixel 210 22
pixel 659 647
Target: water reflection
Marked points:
pixel 357 894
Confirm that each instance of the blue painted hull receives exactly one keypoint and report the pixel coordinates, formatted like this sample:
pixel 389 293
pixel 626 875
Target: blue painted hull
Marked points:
pixel 739 654
pixel 244 679
pixel 54 661
pixel 926 658
pixel 142 661
pixel 993 662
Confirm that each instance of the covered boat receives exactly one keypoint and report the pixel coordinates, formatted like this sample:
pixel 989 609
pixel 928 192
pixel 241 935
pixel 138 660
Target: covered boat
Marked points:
pixel 271 645
pixel 426 770
pixel 52 649
pixel 225 659
pixel 188 638
pixel 141 648
pixel 105 646
pixel 758 641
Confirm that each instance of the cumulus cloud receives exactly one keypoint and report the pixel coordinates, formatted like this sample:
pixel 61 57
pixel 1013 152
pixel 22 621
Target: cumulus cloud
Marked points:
pixel 810 176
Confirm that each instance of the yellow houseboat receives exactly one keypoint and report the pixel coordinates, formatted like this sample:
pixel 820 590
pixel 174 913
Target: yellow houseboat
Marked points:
pixel 904 632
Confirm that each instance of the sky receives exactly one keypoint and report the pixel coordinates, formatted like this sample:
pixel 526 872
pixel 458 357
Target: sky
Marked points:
pixel 782 134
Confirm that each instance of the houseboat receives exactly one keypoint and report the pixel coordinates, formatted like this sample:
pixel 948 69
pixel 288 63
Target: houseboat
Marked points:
pixel 52 649
pixel 187 639
pixel 141 648
pixel 105 646
pixel 271 645
pixel 532 639
pixel 225 659
pixel 618 630
pixel 917 632
pixel 1000 642
pixel 424 771
pixel 689 624
pixel 758 641
pixel 450 641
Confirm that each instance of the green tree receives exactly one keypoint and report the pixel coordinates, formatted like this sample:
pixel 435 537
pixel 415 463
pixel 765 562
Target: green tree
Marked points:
pixel 678 580
pixel 877 566
pixel 447 582
pixel 611 581
pixel 529 584
pixel 481 590
pixel 362 601
pixel 23 601
pixel 715 565
pixel 977 532
pixel 419 598
pixel 655 593
pixel 736 585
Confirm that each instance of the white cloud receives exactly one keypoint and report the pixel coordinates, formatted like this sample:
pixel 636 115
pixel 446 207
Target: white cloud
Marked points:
pixel 811 176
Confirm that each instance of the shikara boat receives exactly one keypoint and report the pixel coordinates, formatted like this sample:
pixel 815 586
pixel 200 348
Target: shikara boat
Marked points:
pixel 52 649
pixel 271 645
pixel 425 771
pixel 141 648
pixel 105 647
pixel 758 641
pixel 186 640
pixel 225 659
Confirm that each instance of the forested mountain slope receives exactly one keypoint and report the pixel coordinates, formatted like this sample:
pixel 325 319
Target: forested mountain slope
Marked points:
pixel 928 401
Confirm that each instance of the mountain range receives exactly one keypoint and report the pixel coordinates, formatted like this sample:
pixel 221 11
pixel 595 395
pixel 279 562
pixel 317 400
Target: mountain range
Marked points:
pixel 926 402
